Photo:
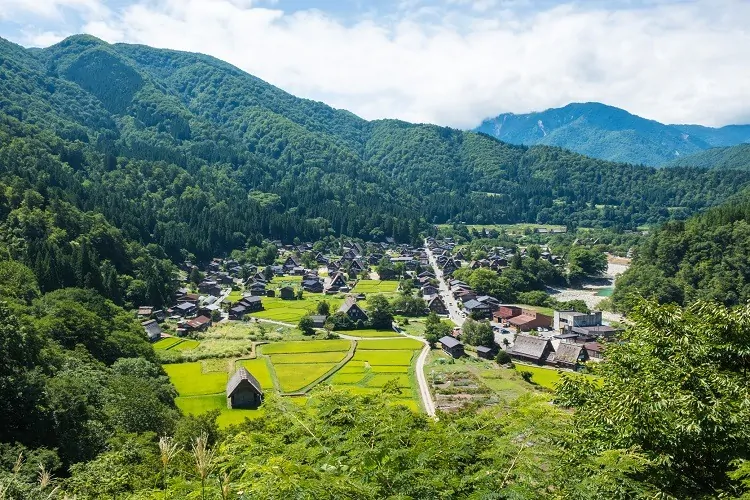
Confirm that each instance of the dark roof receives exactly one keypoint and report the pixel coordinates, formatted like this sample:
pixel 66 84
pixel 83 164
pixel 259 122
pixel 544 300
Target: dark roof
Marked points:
pixel 594 330
pixel 185 306
pixel 568 353
pixel 475 304
pixel 239 376
pixel 484 349
pixel 252 298
pixel 529 346
pixel 450 342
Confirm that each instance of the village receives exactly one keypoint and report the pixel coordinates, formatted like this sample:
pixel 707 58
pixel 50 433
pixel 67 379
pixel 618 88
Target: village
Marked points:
pixel 362 317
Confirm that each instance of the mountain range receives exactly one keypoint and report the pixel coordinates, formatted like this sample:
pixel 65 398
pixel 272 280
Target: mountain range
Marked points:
pixel 611 133
pixel 117 158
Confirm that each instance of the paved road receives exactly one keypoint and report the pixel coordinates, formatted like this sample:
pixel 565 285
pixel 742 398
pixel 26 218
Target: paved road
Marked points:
pixel 450 302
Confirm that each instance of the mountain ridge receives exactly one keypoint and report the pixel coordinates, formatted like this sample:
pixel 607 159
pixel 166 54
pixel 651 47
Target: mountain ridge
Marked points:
pixel 610 133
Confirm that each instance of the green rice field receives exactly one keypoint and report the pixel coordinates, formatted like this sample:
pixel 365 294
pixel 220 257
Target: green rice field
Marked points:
pixel 293 347
pixel 189 379
pixel 390 344
pixel 375 286
pixel 370 333
pixel 308 358
pixel 295 377
pixel 291 311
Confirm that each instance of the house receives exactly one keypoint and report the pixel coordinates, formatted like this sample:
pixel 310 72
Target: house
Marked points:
pixel 243 390
pixel 451 346
pixel 490 301
pixel 504 313
pixel 567 320
pixel 530 348
pixel 160 315
pixel 357 267
pixel 477 309
pixel 570 355
pixel 298 271
pixel 435 304
pixel 145 312
pixel 351 309
pixel 185 309
pixel 429 290
pixel 290 263
pixel 287 293
pixel 209 287
pixel 593 332
pixel 530 320
pixel 486 352
pixel 319 320
pixel 153 330
pixel 257 288
pixel 595 350
pixel 199 324
pixel 312 286
pixel 337 282
pixel 252 303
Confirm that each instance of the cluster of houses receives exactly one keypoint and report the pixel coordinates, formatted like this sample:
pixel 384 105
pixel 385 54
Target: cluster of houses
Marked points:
pixel 574 339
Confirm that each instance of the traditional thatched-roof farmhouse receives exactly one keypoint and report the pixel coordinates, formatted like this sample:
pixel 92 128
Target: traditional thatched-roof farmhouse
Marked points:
pixel 531 348
pixel 243 390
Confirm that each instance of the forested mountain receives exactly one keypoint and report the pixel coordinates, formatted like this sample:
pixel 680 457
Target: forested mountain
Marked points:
pixel 181 153
pixel 732 157
pixel 610 133
pixel 703 258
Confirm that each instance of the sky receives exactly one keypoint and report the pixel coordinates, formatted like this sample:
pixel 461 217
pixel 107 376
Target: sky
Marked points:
pixel 450 62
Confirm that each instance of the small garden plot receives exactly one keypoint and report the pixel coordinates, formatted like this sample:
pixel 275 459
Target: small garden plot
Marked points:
pixel 375 286
pixel 308 358
pixel 380 379
pixel 384 357
pixel 295 377
pixel 389 344
pixel 259 369
pixel 372 333
pixel 189 379
pixel 166 343
pixel 294 347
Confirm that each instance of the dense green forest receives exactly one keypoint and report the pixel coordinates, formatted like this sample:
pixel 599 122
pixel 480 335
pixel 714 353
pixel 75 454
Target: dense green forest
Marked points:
pixel 192 154
pixel 734 157
pixel 703 258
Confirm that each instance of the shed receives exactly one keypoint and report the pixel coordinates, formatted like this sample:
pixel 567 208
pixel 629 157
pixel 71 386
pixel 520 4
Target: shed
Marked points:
pixel 243 390
pixel 486 352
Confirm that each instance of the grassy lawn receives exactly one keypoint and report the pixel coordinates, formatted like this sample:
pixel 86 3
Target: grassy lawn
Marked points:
pixel 371 333
pixel 390 344
pixel 544 377
pixel 189 379
pixel 375 286
pixel 293 377
pixel 305 346
pixel 308 358
pixel 291 311
pixel 547 311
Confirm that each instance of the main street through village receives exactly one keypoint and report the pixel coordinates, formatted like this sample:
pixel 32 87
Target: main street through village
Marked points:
pixel 453 309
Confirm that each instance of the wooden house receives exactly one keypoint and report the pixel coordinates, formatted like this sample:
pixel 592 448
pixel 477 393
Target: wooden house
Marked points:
pixel 451 346
pixel 569 355
pixel 153 330
pixel 243 390
pixel 530 348
pixel 435 304
pixel 287 293
pixel 352 309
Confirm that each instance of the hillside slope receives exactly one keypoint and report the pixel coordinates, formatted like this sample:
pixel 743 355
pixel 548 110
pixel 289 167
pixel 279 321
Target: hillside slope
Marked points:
pixel 732 157
pixel 192 154
pixel 610 133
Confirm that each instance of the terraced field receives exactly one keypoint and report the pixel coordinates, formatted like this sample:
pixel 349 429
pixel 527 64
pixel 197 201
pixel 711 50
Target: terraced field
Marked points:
pixel 294 366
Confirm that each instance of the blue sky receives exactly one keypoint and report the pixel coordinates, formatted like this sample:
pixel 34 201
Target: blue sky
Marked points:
pixel 452 62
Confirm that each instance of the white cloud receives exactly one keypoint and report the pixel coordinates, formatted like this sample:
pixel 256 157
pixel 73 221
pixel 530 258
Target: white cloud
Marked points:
pixel 671 61
pixel 48 9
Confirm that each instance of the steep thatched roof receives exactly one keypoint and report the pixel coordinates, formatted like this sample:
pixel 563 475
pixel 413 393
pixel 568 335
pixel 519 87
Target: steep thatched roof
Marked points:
pixel 240 377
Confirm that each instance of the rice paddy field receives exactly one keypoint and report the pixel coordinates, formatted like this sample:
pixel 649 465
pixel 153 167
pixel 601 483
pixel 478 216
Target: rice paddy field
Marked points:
pixel 372 333
pixel 175 343
pixel 291 311
pixel 293 366
pixel 375 286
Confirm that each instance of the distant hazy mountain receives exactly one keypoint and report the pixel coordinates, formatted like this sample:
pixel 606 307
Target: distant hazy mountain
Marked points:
pixel 611 133
pixel 732 157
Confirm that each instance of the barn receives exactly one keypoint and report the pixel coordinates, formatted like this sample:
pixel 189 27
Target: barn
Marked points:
pixel 243 390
